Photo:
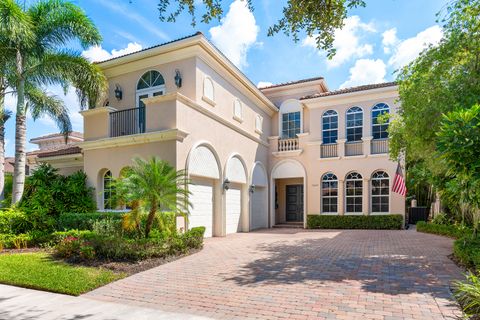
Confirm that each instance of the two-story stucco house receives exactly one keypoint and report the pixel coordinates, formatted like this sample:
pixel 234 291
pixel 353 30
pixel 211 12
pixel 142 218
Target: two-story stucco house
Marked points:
pixel 256 157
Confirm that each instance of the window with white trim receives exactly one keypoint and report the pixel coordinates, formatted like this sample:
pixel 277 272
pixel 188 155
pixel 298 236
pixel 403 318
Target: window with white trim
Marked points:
pixel 108 190
pixel 380 192
pixel 379 128
pixel 330 127
pixel 353 192
pixel 291 124
pixel 354 124
pixel 329 193
pixel 208 91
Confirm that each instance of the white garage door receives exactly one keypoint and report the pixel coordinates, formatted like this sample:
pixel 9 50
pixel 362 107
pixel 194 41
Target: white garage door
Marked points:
pixel 259 209
pixel 233 206
pixel 202 212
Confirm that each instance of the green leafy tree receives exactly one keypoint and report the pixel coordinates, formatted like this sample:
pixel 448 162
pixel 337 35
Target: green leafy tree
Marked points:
pixel 317 18
pixel 459 147
pixel 35 42
pixel 155 186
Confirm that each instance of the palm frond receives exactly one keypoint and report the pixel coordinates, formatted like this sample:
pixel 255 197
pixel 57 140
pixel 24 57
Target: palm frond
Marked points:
pixel 15 24
pixel 58 22
pixel 69 67
pixel 43 104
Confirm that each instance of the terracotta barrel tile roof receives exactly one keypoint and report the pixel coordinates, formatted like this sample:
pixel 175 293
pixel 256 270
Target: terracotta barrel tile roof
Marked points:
pixel 349 90
pixel 61 152
pixel 291 83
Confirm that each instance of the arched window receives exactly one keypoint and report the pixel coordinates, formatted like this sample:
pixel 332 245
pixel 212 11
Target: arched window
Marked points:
pixel 208 89
pixel 108 190
pixel 353 192
pixel 354 124
pixel 330 126
pixel 379 128
pixel 329 193
pixel 150 79
pixel 380 191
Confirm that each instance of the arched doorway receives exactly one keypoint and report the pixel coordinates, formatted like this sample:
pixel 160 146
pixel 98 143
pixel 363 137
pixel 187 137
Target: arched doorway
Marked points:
pixel 259 197
pixel 288 194
pixel 204 171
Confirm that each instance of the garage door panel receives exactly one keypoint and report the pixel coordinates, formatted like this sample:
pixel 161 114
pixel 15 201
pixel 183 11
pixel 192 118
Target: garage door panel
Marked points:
pixel 201 213
pixel 233 209
pixel 259 209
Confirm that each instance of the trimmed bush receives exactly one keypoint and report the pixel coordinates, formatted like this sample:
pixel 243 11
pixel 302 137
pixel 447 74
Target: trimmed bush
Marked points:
pixel 451 231
pixel 13 220
pixel 391 222
pixel 467 250
pixel 85 221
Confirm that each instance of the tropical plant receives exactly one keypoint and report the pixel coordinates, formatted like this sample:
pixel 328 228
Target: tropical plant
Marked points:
pixel 35 42
pixel 468 294
pixel 157 186
pixel 318 18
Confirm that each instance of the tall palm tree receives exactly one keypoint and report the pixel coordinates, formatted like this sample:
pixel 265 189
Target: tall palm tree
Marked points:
pixel 42 58
pixel 157 186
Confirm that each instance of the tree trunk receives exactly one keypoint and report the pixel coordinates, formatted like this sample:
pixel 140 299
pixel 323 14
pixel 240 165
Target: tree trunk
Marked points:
pixel 2 138
pixel 20 135
pixel 151 216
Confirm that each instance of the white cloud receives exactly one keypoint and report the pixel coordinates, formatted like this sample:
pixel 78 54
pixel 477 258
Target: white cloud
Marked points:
pixel 263 84
pixel 236 33
pixel 97 53
pixel 141 21
pixel 405 51
pixel 389 39
pixel 347 42
pixel 366 71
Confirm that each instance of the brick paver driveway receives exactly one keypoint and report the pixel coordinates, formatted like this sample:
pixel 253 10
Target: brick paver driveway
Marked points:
pixel 297 274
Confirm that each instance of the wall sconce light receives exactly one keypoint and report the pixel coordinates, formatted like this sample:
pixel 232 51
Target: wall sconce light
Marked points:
pixel 178 78
pixel 226 184
pixel 252 188
pixel 118 92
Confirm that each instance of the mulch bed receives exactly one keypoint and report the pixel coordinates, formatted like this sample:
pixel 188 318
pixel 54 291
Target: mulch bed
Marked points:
pixel 131 267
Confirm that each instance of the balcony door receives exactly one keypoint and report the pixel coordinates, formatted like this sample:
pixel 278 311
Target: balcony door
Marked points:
pixel 151 84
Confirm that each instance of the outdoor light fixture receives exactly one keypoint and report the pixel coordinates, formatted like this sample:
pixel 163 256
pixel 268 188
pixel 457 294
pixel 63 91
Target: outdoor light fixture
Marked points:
pixel 252 188
pixel 178 78
pixel 226 184
pixel 118 92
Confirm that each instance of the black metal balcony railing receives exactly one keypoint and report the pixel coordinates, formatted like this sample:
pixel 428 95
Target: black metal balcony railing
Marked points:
pixel 329 150
pixel 127 122
pixel 379 146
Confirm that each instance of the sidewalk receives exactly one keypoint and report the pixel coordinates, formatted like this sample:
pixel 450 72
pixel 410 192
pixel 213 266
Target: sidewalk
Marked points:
pixel 22 304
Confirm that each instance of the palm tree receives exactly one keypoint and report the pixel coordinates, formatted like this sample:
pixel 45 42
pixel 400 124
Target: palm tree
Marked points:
pixel 40 58
pixel 157 186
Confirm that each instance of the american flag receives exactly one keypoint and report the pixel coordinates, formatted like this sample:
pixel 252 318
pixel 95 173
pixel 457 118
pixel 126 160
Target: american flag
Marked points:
pixel 399 182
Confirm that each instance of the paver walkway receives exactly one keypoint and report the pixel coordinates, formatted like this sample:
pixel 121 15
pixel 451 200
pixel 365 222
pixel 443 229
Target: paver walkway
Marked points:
pixel 298 274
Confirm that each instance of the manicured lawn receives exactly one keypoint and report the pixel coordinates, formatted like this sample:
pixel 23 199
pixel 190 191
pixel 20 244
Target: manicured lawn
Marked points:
pixel 39 271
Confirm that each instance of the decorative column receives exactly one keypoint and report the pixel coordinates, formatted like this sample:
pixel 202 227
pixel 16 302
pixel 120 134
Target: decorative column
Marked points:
pixel 367 145
pixel 366 197
pixel 341 148
pixel 273 143
pixel 341 198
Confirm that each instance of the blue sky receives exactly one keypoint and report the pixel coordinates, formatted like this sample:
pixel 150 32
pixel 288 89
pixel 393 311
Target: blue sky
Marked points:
pixel 375 41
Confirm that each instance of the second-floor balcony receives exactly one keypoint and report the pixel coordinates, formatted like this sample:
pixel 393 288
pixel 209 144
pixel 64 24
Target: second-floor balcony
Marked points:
pixel 290 144
pixel 126 122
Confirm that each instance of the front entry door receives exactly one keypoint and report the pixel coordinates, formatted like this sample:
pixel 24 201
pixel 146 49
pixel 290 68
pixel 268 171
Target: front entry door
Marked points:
pixel 294 208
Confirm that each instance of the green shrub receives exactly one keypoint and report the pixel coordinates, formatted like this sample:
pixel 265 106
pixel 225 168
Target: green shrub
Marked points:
pixel 13 220
pixel 48 193
pixel 84 221
pixel 467 250
pixel 88 244
pixel 7 240
pixel 441 218
pixel 468 294
pixel 107 227
pixel 453 231
pixel 394 221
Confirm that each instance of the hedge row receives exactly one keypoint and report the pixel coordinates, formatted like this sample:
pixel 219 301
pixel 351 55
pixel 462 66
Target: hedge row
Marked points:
pixel 391 222
pixel 447 230
pixel 84 221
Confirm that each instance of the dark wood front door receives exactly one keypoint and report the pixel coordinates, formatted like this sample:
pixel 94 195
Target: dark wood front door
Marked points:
pixel 294 198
